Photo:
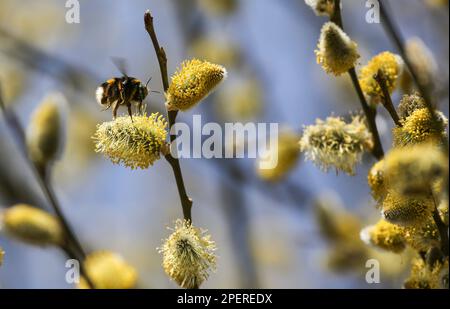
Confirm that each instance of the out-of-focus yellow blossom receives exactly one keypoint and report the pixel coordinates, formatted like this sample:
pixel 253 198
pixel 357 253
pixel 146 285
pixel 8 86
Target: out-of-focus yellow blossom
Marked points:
pixel 344 257
pixel 424 276
pixel 36 23
pixel 412 170
pixel 406 211
pixel 390 64
pixel 218 7
pixel 288 154
pixel 2 256
pixel 422 60
pixel 188 255
pixel 335 223
pixel 45 135
pixel 12 79
pixel 134 143
pixel 421 127
pixel 321 7
pixel 409 104
pixel 437 4
pixel 192 83
pixel 376 180
pixel 32 225
pixel 336 52
pixel 215 51
pixel 334 143
pixel 240 101
pixel 385 235
pixel 108 270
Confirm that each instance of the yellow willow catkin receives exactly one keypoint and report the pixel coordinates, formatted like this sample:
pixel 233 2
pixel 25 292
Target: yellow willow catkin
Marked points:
pixel 134 143
pixel 437 4
pixel 108 270
pixel 409 104
pixel 335 143
pixel 390 64
pixel 384 235
pixel 412 170
pixel 335 223
pixel 424 276
pixel 45 132
pixel 321 7
pixel 12 78
pixel 421 127
pixel 336 52
pixel 424 236
pixel 192 83
pixel 377 180
pixel 32 225
pixel 188 255
pixel 288 154
pixel 2 256
pixel 406 211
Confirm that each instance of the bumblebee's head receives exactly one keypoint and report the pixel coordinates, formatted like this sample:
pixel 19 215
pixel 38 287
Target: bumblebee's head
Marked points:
pixel 143 91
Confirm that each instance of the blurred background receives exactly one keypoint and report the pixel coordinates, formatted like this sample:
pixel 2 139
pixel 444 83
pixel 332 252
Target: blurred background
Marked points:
pixel 267 233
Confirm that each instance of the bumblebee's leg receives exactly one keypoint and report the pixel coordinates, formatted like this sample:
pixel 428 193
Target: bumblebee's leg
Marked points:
pixel 115 107
pixel 129 111
pixel 140 106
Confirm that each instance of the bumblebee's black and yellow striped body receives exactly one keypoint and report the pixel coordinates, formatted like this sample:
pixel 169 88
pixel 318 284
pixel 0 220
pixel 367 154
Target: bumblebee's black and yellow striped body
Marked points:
pixel 121 91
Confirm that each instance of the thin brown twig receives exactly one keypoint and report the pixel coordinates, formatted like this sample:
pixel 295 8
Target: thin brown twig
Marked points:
pixel 387 100
pixel 44 184
pixel 186 201
pixel 369 112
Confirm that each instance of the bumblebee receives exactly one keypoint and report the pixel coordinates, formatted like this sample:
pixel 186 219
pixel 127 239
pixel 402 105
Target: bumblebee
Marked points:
pixel 125 90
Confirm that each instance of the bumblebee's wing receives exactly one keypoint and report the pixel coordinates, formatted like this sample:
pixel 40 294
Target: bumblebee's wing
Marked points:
pixel 120 64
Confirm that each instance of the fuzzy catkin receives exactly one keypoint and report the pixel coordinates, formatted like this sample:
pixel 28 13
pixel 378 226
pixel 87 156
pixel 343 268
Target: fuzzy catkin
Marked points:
pixel 32 225
pixel 390 64
pixel 2 256
pixel 424 276
pixel 419 127
pixel 188 255
pixel 321 7
pixel 134 143
pixel 411 171
pixel 336 52
pixel 193 82
pixel 335 143
pixel 108 270
pixel 45 132
pixel 288 154
pixel 385 235
pixel 376 179
pixel 406 211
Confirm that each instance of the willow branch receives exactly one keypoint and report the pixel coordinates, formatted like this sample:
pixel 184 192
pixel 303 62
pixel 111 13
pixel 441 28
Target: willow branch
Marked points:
pixel 387 100
pixel 186 201
pixel 369 112
pixel 394 33
pixel 46 188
